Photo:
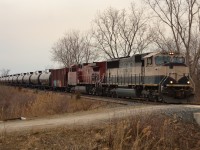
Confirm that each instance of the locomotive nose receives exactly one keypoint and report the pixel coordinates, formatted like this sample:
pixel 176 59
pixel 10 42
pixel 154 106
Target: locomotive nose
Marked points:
pixel 170 80
pixel 184 80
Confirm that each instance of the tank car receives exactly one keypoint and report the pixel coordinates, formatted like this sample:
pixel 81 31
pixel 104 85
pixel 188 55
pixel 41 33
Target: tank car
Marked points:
pixel 6 79
pixel 2 80
pixel 26 79
pixel 20 78
pixel 34 79
pixel 45 80
pixel 14 79
pixel 10 79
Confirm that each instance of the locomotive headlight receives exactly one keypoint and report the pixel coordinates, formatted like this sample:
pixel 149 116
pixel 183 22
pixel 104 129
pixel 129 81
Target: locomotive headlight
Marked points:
pixel 188 82
pixel 171 82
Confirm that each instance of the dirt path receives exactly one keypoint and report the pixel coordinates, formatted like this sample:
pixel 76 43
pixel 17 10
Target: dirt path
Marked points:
pixel 93 117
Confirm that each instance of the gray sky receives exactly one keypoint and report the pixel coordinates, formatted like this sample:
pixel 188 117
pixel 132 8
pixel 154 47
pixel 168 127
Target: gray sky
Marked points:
pixel 29 28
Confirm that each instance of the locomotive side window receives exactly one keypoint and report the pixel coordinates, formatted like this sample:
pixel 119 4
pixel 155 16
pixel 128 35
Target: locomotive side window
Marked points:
pixel 138 58
pixel 149 61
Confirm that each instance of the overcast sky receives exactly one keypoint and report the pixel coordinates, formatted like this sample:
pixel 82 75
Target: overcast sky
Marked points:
pixel 29 28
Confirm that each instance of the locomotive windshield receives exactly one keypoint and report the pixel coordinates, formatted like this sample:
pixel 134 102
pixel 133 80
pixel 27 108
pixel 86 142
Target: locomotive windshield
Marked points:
pixel 162 60
pixel 159 60
pixel 178 60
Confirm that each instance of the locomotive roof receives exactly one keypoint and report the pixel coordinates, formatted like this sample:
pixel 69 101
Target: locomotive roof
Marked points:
pixel 160 52
pixel 151 54
pixel 116 59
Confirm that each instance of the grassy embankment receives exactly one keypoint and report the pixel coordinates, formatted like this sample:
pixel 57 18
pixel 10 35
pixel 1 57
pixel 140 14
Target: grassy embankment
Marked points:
pixel 197 93
pixel 17 102
pixel 146 132
pixel 150 132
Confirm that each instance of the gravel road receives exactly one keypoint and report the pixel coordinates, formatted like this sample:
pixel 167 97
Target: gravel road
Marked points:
pixel 92 117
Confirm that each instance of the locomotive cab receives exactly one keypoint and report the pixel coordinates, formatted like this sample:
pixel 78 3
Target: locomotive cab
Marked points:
pixel 168 73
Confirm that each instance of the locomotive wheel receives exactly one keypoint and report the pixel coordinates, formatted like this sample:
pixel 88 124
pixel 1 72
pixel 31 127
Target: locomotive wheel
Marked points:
pixel 151 97
pixel 114 95
pixel 160 98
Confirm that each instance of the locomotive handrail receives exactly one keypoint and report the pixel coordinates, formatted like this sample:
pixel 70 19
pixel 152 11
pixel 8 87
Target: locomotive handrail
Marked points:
pixel 162 81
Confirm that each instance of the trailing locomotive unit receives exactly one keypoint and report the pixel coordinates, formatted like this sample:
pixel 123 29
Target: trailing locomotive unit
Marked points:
pixel 156 76
pixel 87 78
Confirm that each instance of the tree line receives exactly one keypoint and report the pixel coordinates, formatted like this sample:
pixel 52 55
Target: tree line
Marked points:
pixel 165 25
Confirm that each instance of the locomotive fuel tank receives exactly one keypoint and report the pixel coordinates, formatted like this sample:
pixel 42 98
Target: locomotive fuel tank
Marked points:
pixel 81 89
pixel 45 78
pixel 123 92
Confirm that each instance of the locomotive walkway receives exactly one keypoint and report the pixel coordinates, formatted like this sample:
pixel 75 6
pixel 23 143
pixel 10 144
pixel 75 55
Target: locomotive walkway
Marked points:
pixel 96 117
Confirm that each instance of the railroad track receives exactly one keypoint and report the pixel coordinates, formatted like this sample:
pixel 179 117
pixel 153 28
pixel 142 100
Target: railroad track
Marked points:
pixel 122 101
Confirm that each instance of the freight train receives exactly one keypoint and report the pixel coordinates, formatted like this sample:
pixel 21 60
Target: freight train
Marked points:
pixel 155 76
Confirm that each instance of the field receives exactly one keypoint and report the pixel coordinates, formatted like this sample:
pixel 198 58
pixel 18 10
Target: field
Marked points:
pixel 19 102
pixel 150 131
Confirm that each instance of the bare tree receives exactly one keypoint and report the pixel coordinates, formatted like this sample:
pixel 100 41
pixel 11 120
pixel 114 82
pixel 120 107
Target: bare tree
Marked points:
pixel 90 53
pixel 162 41
pixel 4 72
pixel 133 31
pixel 106 32
pixel 73 48
pixel 118 33
pixel 182 19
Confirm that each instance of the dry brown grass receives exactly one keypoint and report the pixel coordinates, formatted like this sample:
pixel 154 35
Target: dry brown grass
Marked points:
pixel 197 92
pixel 16 102
pixel 138 133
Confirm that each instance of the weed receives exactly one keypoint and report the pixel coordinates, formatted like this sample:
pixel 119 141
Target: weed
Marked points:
pixel 134 133
pixel 78 95
pixel 29 103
